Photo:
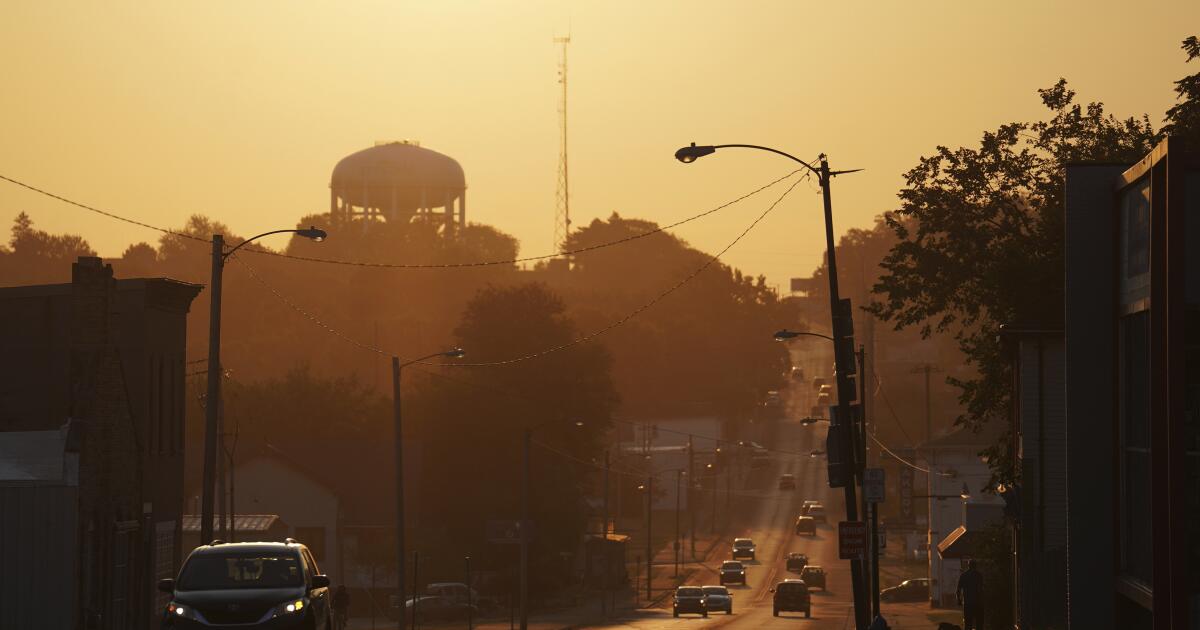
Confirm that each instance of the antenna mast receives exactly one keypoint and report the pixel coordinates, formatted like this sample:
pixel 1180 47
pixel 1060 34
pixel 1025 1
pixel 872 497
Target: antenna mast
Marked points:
pixel 562 211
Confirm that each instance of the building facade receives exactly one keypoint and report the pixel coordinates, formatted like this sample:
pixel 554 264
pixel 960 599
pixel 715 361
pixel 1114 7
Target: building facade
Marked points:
pixel 103 360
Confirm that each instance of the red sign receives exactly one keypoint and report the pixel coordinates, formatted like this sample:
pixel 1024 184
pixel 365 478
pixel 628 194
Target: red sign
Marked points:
pixel 852 539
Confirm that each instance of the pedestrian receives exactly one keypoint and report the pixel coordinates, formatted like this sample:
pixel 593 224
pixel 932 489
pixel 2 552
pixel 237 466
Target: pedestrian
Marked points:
pixel 341 607
pixel 970 597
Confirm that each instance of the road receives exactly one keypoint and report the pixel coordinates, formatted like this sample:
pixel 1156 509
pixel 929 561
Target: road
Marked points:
pixel 768 516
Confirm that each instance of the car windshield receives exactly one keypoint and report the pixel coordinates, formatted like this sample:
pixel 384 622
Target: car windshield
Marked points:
pixel 787 587
pixel 715 590
pixel 743 542
pixel 693 591
pixel 731 565
pixel 246 570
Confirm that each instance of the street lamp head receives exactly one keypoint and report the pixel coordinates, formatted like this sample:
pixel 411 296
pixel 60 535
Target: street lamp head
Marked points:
pixel 691 153
pixel 785 334
pixel 456 353
pixel 313 233
pixel 579 423
pixel 966 492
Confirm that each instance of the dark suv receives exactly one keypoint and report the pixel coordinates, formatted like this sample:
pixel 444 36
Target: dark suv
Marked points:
pixel 248 585
pixel 792 595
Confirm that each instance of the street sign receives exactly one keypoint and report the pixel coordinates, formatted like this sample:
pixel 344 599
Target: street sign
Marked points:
pixel 873 485
pixel 852 539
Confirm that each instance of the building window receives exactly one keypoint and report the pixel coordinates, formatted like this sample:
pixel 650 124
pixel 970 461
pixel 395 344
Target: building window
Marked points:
pixel 314 538
pixel 1135 243
pixel 1135 500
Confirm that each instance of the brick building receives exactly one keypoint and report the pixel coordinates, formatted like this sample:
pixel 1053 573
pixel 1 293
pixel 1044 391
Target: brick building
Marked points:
pixel 99 363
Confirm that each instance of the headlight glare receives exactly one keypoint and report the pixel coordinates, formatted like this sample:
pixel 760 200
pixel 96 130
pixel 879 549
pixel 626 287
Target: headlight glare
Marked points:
pixel 291 606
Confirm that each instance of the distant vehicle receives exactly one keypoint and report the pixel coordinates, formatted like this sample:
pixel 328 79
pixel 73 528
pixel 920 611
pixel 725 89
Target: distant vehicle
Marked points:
pixel 825 389
pixel 251 585
pixel 773 398
pixel 818 383
pixel 815 511
pixel 805 525
pixel 689 599
pixel 743 548
pixel 461 594
pixel 813 576
pixel 718 598
pixel 797 373
pixel 792 596
pixel 761 458
pixel 809 502
pixel 816 452
pixel 787 481
pixel 823 399
pixel 435 608
pixel 796 561
pixel 914 590
pixel 732 571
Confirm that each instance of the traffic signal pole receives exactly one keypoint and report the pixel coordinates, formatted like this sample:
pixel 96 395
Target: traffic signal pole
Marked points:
pixel 844 390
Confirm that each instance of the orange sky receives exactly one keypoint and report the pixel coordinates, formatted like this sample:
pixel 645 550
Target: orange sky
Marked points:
pixel 240 110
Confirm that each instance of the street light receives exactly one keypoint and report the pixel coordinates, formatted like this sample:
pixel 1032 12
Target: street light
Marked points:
pixel 398 438
pixel 785 335
pixel 528 441
pixel 840 329
pixel 213 396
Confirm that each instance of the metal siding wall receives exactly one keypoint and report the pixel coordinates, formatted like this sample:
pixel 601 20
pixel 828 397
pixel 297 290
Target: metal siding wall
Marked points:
pixel 1055 412
pixel 37 553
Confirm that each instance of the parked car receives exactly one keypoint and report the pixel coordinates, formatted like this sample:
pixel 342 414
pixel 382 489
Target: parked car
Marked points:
pixel 797 373
pixel 792 596
pixel 718 598
pixel 461 594
pixel 796 562
pixel 914 590
pixel 689 599
pixel 743 548
pixel 813 576
pixel 818 383
pixel 806 525
pixel 251 585
pixel 432 608
pixel 787 481
pixel 733 571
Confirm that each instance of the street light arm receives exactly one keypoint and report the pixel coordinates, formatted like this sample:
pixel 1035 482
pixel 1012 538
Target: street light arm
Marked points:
pixel 453 354
pixel 786 334
pixel 312 233
pixel 815 171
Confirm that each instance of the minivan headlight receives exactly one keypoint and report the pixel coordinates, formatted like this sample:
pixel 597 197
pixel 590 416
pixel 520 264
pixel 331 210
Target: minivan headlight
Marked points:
pixel 291 607
pixel 184 611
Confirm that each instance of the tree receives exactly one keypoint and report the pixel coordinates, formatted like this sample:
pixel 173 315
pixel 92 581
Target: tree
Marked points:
pixel 1183 119
pixel 36 256
pixel 981 239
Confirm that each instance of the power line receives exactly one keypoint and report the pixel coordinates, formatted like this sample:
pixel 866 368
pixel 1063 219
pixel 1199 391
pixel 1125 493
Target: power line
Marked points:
pixel 354 263
pixel 534 355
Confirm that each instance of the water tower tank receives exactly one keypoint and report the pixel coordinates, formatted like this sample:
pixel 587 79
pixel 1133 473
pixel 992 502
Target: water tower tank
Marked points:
pixel 399 181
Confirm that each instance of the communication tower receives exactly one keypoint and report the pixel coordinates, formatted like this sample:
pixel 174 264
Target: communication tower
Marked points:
pixel 562 211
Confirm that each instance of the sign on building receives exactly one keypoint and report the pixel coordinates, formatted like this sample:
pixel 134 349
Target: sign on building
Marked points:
pixel 873 485
pixel 852 539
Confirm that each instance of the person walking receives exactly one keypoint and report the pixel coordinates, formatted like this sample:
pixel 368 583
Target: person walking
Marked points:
pixel 970 597
pixel 341 607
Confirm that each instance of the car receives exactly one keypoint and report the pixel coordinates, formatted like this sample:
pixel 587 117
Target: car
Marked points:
pixel 433 608
pixel 743 548
pixel 813 576
pixel 732 571
pixel 792 596
pixel 250 585
pixel 689 599
pixel 796 561
pixel 787 481
pixel 797 373
pixel 718 598
pixel 461 594
pixel 914 590
pixel 806 525
pixel 813 509
pixel 825 389
pixel 823 399
pixel 773 398
pixel 818 383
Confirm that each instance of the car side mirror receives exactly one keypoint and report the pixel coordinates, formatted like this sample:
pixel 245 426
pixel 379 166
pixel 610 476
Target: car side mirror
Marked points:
pixel 320 581
pixel 166 585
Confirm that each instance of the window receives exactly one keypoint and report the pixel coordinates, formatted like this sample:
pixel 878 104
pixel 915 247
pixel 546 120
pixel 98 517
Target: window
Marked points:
pixel 1135 499
pixel 240 570
pixel 1135 242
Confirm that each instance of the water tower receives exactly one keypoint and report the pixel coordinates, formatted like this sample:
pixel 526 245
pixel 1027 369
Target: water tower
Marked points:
pixel 399 181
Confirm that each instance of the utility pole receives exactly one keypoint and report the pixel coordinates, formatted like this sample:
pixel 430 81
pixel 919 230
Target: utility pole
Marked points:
pixel 211 430
pixel 930 458
pixel 649 535
pixel 398 439
pixel 691 495
pixel 470 620
pixel 525 531
pixel 604 533
pixel 678 496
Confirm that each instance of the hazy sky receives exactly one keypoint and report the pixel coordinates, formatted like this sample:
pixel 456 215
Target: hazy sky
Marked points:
pixel 239 110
